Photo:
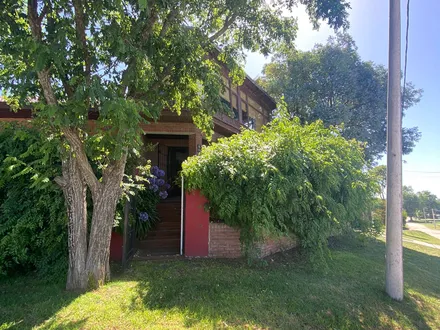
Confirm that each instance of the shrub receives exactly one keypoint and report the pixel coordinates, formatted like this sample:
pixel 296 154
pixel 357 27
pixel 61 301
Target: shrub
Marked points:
pixel 404 217
pixel 33 233
pixel 305 180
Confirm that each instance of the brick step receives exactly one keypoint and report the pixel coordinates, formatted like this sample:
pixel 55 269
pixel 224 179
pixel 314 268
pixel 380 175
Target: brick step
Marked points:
pixel 162 244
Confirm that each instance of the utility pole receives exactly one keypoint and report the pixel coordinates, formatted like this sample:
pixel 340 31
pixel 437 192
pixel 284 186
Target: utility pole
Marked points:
pixel 394 258
pixel 433 218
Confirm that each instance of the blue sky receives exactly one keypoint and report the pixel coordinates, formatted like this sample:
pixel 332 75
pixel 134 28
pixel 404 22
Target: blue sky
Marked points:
pixel 369 28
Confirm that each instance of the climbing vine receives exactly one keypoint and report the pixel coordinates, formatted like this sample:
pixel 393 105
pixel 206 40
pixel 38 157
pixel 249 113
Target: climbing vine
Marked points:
pixel 305 180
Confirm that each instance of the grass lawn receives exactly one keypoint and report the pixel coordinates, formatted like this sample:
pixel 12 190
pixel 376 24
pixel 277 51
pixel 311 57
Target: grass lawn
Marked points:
pixel 431 225
pixel 206 294
pixel 420 236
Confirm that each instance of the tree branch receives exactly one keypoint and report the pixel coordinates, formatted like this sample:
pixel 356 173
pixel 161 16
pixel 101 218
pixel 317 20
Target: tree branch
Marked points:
pixel 77 146
pixel 61 181
pixel 44 74
pixel 44 12
pixel 66 85
pixel 165 74
pixel 152 19
pixel 34 20
pixel 80 26
pixel 228 22
pixel 168 20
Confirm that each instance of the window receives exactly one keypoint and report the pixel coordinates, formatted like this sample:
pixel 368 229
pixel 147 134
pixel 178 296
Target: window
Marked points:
pixel 235 106
pixel 250 123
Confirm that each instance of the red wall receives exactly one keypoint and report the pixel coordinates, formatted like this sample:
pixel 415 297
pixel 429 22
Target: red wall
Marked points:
pixel 196 239
pixel 116 247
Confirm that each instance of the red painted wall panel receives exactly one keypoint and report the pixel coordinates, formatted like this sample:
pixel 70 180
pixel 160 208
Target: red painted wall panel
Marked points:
pixel 196 238
pixel 116 247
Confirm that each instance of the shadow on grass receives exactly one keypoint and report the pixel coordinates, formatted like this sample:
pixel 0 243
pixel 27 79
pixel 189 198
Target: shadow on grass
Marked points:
pixel 288 294
pixel 26 302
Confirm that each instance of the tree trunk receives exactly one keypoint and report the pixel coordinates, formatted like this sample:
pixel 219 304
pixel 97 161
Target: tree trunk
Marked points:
pixel 75 190
pixel 104 207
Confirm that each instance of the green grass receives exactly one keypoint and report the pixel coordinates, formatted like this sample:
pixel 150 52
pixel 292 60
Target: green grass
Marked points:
pixel 431 225
pixel 207 294
pixel 420 236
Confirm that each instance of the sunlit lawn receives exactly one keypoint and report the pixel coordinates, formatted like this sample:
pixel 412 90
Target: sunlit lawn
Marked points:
pixel 420 236
pixel 206 294
pixel 432 226
pixel 428 223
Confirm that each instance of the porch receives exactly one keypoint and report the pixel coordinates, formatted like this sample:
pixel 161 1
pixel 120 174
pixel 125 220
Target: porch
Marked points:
pixel 167 152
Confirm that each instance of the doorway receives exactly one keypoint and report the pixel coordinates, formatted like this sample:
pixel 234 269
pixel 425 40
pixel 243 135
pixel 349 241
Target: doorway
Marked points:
pixel 176 156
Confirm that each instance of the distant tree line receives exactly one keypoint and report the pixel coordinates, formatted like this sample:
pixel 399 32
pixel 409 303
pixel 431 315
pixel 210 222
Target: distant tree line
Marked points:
pixel 419 204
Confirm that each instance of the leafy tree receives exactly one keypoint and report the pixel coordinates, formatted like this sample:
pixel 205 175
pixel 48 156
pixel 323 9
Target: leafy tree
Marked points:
pixel 411 201
pixel 290 179
pixel 428 201
pixel 126 60
pixel 332 83
pixel 379 173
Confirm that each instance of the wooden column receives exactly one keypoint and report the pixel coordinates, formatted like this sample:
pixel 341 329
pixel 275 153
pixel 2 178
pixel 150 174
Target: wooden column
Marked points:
pixel 194 143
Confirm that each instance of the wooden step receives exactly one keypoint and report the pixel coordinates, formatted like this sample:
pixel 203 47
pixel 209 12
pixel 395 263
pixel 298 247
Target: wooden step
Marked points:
pixel 142 254
pixel 167 225
pixel 164 233
pixel 165 243
pixel 163 255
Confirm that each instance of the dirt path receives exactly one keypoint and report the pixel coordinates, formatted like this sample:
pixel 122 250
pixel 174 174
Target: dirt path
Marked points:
pixel 421 227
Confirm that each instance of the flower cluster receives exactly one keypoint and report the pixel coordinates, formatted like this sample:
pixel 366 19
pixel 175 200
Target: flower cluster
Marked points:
pixel 157 183
pixel 143 216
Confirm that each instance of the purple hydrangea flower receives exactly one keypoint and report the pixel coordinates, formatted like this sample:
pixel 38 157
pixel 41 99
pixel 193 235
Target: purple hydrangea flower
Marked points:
pixel 155 170
pixel 167 186
pixel 163 194
pixel 161 173
pixel 154 187
pixel 143 216
pixel 160 182
pixel 152 180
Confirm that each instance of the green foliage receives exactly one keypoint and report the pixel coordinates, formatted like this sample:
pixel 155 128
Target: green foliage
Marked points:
pixel 131 59
pixel 146 215
pixel 379 174
pixel 332 83
pixel 404 216
pixel 411 202
pixel 145 189
pixel 125 61
pixel 379 215
pixel 33 233
pixel 305 180
pixel 419 204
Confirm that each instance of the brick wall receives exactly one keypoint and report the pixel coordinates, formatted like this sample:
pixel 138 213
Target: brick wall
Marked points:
pixel 224 242
pixel 272 246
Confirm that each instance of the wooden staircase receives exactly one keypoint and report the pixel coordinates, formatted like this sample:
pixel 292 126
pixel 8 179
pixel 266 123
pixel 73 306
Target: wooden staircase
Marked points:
pixel 164 239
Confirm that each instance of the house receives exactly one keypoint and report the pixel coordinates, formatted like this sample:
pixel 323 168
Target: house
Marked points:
pixel 185 227
pixel 175 138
